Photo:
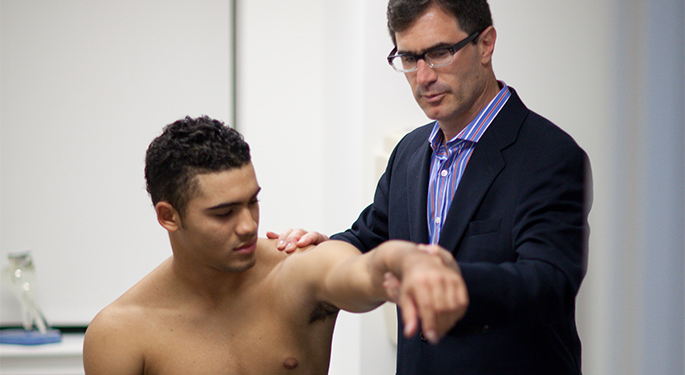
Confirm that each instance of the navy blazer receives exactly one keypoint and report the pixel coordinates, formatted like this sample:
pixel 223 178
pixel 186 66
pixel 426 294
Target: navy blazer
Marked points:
pixel 518 229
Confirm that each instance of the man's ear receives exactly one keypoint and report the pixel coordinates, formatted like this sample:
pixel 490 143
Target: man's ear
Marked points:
pixel 167 216
pixel 487 45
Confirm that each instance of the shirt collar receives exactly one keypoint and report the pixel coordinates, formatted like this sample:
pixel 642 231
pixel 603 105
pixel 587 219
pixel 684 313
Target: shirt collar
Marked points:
pixel 473 131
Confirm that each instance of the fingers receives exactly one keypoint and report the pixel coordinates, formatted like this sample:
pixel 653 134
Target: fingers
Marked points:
pixel 427 309
pixel 287 239
pixel 448 306
pixel 290 239
pixel 434 294
pixel 312 238
pixel 410 317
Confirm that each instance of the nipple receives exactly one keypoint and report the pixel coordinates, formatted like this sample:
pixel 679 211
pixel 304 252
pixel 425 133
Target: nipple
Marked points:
pixel 290 363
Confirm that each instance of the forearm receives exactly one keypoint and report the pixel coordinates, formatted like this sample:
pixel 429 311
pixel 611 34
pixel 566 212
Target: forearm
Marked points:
pixel 356 284
pixel 353 282
pixel 430 288
pixel 395 256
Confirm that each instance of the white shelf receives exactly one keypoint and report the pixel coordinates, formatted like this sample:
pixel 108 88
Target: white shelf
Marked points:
pixel 63 358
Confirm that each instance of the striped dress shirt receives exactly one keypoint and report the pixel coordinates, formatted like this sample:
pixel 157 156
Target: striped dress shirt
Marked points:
pixel 449 160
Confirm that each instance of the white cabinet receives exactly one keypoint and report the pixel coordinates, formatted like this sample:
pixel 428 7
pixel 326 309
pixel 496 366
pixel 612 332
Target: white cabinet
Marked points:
pixel 64 358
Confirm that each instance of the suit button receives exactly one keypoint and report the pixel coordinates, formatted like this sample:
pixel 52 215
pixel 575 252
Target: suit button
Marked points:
pixel 422 337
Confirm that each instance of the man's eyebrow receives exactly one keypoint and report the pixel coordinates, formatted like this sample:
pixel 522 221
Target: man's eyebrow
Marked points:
pixel 231 204
pixel 222 205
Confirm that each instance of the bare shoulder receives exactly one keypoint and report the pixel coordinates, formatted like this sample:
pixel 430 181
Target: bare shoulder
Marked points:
pixel 275 261
pixel 326 254
pixel 150 294
pixel 339 248
pixel 120 316
pixel 115 339
pixel 268 253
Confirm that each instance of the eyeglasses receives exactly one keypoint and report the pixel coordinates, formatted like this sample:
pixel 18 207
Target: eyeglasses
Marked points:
pixel 434 57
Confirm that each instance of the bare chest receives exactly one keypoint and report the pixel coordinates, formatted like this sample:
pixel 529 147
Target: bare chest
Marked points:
pixel 263 341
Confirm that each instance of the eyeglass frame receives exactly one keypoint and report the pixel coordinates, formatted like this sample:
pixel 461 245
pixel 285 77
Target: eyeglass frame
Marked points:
pixel 453 49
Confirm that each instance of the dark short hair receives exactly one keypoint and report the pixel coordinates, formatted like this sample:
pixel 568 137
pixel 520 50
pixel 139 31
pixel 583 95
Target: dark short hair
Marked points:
pixel 186 148
pixel 472 15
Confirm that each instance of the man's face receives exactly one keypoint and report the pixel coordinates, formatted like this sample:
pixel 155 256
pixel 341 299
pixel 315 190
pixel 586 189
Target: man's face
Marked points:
pixel 448 93
pixel 221 221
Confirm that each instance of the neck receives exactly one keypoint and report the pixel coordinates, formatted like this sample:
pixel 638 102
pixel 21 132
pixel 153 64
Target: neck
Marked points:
pixel 212 285
pixel 452 126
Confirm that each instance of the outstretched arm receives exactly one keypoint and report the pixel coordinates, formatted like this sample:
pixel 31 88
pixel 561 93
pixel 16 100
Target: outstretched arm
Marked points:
pixel 431 290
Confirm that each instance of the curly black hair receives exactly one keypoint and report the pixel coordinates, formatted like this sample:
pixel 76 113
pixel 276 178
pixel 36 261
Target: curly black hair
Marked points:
pixel 186 148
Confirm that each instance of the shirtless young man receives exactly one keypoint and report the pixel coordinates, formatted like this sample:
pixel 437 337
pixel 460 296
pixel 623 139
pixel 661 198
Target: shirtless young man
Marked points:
pixel 226 302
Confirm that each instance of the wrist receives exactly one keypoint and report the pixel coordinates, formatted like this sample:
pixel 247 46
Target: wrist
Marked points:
pixel 397 256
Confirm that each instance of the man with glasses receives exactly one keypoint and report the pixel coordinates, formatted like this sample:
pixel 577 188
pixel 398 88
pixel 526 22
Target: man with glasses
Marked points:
pixel 500 187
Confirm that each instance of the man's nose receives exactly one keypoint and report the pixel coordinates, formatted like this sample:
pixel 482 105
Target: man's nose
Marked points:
pixel 247 223
pixel 424 73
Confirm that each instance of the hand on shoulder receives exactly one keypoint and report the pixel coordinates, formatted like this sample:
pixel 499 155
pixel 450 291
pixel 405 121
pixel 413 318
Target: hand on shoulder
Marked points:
pixel 291 239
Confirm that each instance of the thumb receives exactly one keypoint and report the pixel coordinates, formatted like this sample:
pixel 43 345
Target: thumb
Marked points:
pixel 392 286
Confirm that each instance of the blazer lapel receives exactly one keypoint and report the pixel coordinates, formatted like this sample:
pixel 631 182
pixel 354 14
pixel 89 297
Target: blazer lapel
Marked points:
pixel 417 188
pixel 481 171
pixel 485 164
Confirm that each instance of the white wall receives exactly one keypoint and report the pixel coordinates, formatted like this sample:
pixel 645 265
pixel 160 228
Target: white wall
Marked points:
pixel 85 87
